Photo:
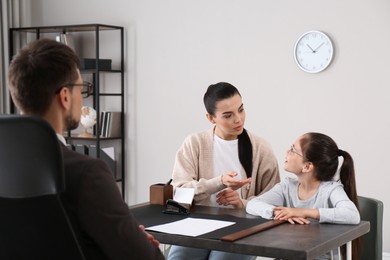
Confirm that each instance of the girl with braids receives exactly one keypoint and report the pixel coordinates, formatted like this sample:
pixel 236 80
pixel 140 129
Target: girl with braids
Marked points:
pixel 316 193
pixel 226 165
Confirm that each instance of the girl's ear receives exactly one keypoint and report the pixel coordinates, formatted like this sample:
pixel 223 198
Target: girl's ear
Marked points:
pixel 210 118
pixel 307 167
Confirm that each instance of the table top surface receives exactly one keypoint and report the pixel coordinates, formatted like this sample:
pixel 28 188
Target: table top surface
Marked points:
pixel 285 241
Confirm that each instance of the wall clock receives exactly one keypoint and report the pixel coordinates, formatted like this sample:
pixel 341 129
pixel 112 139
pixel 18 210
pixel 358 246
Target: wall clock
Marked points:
pixel 313 51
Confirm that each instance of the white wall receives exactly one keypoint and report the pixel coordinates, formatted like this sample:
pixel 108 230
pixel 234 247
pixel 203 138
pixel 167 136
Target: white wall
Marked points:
pixel 176 48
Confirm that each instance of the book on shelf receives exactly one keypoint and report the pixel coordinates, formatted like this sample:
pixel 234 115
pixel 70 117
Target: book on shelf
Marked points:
pixel 89 64
pixel 80 148
pixel 110 124
pixel 103 124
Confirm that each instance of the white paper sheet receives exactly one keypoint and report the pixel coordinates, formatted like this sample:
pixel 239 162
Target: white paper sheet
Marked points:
pixel 191 226
pixel 184 195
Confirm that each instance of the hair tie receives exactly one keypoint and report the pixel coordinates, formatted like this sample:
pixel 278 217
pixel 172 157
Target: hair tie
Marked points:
pixel 340 152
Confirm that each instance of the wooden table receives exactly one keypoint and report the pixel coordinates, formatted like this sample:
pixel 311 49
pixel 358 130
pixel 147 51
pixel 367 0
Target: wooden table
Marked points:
pixel 285 241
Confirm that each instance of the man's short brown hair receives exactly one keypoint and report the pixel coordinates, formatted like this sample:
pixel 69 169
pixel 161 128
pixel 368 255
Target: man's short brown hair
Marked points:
pixel 38 71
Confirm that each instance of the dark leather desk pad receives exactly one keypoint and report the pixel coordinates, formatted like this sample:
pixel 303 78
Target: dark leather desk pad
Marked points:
pixel 150 215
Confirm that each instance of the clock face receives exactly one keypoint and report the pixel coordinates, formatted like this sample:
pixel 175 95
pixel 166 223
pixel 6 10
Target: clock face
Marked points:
pixel 313 51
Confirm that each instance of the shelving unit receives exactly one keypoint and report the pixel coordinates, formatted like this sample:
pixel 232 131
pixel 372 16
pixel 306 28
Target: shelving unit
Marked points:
pixel 92 41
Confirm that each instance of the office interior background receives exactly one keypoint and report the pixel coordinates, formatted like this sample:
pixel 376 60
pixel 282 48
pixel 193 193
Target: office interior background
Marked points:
pixel 174 49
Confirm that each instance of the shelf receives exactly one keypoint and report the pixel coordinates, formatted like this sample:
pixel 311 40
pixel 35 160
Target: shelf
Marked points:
pixel 67 28
pixel 90 71
pixel 98 40
pixel 110 94
pixel 92 138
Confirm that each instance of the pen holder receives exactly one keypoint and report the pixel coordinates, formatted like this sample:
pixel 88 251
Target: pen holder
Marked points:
pixel 160 193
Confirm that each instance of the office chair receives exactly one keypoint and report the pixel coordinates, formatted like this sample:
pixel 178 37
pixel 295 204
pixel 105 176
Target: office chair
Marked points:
pixel 372 210
pixel 33 222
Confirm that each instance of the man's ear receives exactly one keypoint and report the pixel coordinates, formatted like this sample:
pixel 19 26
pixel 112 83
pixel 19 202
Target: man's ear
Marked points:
pixel 210 118
pixel 63 98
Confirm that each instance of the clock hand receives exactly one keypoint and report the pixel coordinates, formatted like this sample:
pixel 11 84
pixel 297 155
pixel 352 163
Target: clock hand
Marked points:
pixel 319 47
pixel 310 48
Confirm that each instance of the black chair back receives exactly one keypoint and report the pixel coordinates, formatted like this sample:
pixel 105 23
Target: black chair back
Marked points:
pixel 33 222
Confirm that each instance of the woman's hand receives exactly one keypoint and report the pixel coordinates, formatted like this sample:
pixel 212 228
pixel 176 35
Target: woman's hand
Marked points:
pixel 151 238
pixel 230 182
pixel 229 197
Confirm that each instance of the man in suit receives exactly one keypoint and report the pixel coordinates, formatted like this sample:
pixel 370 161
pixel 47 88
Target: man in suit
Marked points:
pixel 44 80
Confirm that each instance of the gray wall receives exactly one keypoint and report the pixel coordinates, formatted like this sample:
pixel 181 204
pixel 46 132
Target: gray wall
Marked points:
pixel 176 48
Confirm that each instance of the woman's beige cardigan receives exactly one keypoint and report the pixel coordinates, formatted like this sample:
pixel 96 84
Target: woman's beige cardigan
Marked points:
pixel 194 168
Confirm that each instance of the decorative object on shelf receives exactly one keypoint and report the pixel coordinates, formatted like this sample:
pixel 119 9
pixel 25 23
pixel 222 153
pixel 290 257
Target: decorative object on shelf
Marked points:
pixel 66 39
pixel 313 51
pixel 87 120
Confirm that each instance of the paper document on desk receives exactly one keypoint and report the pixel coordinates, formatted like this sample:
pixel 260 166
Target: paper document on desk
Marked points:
pixel 191 226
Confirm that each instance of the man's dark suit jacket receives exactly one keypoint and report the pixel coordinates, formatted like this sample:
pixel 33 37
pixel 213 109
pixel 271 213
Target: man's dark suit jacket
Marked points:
pixel 103 220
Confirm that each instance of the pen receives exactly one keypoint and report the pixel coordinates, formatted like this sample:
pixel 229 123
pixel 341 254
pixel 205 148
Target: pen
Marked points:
pixel 169 182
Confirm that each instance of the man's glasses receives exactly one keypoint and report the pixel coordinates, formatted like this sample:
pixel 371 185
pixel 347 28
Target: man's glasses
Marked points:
pixel 293 150
pixel 87 89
